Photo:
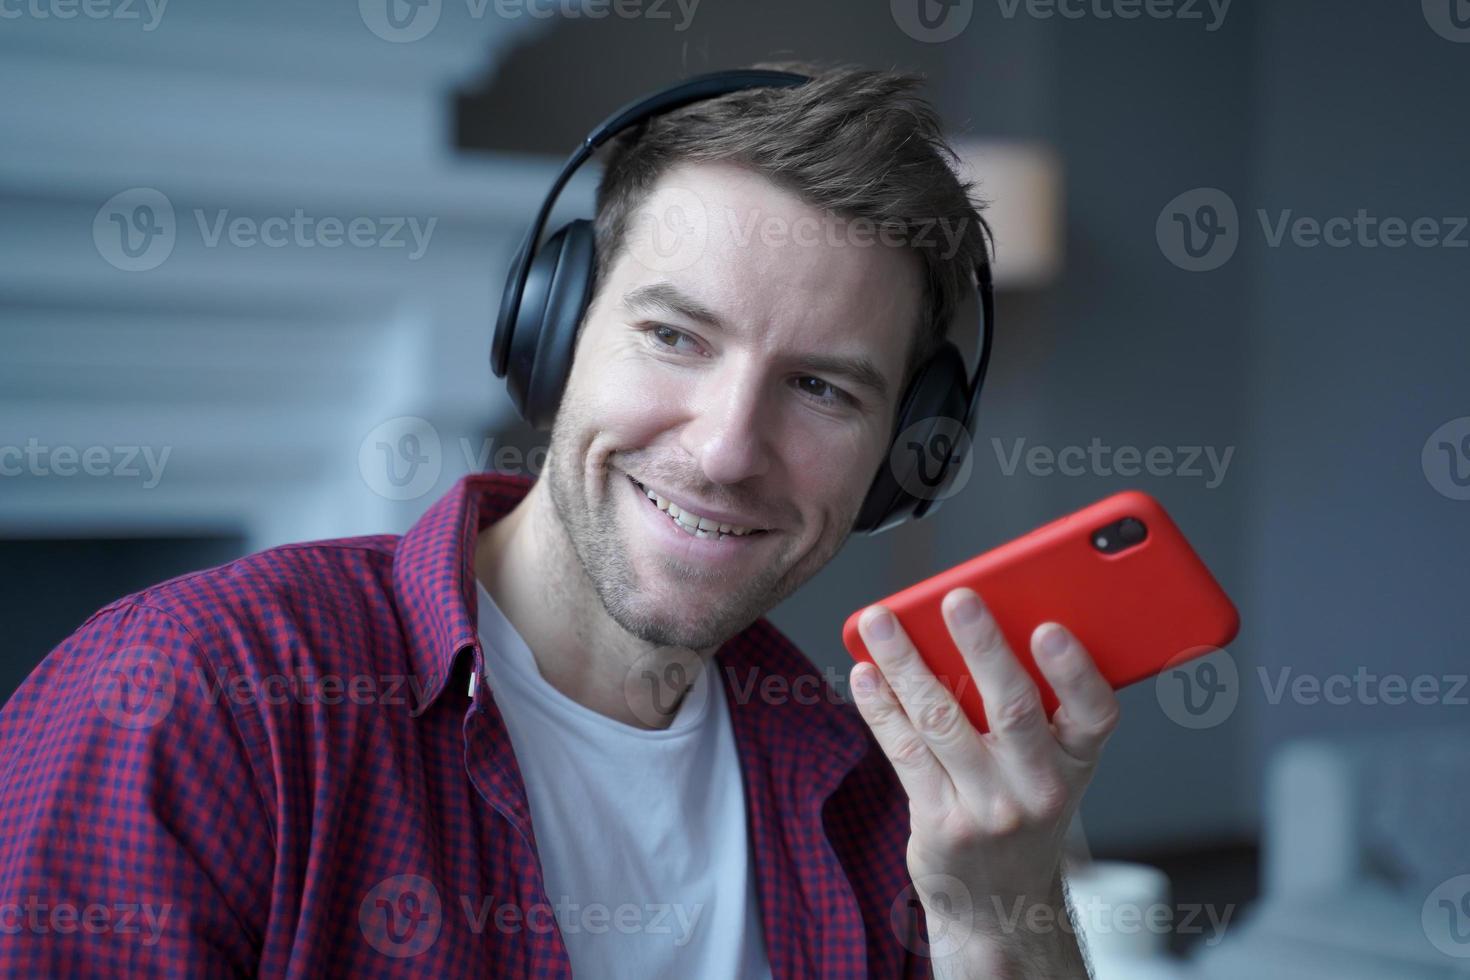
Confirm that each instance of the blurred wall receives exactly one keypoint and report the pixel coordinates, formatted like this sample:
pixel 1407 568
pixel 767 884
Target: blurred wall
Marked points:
pixel 1359 560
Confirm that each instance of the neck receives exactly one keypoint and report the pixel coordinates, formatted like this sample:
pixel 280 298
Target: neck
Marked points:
pixel 527 563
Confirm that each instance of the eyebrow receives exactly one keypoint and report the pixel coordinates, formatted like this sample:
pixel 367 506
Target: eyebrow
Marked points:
pixel 664 297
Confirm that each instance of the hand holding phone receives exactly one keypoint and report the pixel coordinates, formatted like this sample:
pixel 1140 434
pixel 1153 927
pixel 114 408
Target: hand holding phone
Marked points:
pixel 1118 574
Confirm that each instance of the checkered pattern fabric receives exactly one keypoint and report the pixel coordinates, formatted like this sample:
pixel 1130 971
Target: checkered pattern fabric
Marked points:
pixel 274 768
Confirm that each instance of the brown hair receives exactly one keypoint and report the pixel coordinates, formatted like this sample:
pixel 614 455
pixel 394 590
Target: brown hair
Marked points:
pixel 856 142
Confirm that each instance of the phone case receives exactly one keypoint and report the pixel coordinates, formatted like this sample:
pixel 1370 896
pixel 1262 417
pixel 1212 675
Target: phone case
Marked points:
pixel 1137 611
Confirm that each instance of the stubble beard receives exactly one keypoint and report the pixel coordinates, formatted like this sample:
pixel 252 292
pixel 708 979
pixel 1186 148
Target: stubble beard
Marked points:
pixel 599 541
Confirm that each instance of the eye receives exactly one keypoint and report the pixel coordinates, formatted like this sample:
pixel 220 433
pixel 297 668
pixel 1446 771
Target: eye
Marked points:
pixel 822 391
pixel 666 336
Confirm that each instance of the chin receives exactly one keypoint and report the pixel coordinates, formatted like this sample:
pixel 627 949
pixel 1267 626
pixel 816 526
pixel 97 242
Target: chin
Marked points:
pixel 650 620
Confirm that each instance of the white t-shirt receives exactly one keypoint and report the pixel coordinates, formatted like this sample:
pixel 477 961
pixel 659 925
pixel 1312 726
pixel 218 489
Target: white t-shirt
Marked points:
pixel 642 834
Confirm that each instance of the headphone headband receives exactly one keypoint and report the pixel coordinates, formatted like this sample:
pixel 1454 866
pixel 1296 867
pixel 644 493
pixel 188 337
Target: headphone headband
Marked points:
pixel 696 89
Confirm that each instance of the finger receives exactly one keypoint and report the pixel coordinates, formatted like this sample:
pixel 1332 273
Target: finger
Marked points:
pixel 921 774
pixel 1013 705
pixel 1089 708
pixel 932 711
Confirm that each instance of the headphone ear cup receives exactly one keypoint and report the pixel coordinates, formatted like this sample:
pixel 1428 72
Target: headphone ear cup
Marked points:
pixel 558 288
pixel 911 481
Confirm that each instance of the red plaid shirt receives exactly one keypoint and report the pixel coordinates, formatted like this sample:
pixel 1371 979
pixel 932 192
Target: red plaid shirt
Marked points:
pixel 274 767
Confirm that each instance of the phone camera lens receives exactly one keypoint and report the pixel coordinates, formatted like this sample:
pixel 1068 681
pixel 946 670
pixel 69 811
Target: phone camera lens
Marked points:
pixel 1131 530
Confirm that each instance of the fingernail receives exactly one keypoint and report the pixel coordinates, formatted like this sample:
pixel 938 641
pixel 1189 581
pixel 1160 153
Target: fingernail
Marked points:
pixel 968 609
pixel 880 624
pixel 863 680
pixel 1053 642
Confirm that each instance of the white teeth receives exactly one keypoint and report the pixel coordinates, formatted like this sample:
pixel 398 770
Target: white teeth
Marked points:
pixel 700 527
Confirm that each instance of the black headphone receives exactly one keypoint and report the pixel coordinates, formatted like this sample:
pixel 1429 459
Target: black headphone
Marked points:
pixel 549 288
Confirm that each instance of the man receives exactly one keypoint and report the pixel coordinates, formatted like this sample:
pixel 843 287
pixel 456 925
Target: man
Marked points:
pixel 589 765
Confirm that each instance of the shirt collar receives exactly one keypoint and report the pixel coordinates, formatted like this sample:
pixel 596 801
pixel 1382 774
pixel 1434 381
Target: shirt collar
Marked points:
pixel 434 577
pixel 434 581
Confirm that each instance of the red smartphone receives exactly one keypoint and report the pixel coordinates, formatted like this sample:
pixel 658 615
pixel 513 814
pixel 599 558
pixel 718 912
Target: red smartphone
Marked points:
pixel 1118 573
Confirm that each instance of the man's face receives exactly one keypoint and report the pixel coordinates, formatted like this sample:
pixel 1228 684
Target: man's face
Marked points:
pixel 749 375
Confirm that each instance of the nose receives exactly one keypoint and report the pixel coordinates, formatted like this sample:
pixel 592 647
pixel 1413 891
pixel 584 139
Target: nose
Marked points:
pixel 728 434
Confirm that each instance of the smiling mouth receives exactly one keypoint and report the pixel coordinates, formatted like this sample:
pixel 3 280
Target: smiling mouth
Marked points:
pixel 694 524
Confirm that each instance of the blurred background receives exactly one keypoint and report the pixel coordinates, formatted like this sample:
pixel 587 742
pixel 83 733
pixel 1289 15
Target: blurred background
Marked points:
pixel 245 247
